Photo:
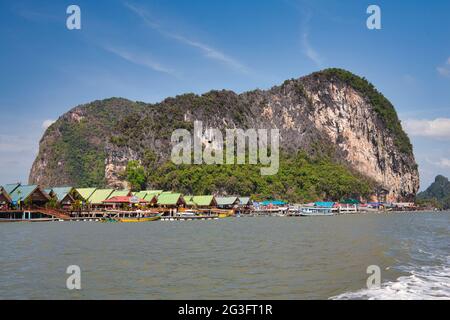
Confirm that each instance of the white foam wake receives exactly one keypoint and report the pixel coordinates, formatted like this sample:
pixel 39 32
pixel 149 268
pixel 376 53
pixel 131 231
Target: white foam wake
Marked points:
pixel 427 283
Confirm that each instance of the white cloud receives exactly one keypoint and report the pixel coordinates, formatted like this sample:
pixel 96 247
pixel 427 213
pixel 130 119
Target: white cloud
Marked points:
pixel 211 53
pixel 445 69
pixel 437 128
pixel 309 51
pixel 207 50
pixel 444 162
pixel 47 123
pixel 139 59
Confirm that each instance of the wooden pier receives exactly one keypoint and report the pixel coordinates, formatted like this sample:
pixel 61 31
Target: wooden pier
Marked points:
pixel 32 215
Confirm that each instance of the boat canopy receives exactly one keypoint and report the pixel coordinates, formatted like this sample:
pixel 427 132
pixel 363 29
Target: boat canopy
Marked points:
pixel 324 204
pixel 273 202
pixel 350 201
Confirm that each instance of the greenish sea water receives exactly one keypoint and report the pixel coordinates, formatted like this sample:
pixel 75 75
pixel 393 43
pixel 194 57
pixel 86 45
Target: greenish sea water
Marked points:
pixel 234 258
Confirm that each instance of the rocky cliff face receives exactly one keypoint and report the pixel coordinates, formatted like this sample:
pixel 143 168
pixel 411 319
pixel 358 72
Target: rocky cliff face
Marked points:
pixel 328 111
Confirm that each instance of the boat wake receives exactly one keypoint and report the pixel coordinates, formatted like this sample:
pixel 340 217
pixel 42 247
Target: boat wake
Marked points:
pixel 425 283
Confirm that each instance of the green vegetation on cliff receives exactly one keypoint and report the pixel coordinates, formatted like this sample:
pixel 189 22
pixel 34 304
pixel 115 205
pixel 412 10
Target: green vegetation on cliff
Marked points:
pixel 300 178
pixel 84 161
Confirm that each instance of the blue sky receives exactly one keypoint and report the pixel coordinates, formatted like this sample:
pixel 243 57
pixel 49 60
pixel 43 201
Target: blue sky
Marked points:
pixel 148 50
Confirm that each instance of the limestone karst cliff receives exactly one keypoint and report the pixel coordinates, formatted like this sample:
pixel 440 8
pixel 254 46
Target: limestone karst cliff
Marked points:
pixel 331 111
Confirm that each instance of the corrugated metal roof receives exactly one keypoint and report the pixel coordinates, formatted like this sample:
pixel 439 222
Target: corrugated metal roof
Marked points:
pixel 11 187
pixel 85 192
pixel 207 200
pixel 155 191
pixel 99 195
pixel 223 201
pixel 123 199
pixel 140 194
pixel 121 193
pixel 166 198
pixel 189 200
pixel 62 192
pixel 244 200
pixel 146 195
pixel 23 192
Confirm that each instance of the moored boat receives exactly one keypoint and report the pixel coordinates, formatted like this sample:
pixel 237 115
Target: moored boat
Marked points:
pixel 316 211
pixel 139 219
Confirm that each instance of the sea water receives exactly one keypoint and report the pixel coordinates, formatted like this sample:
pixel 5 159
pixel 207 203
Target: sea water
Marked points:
pixel 232 258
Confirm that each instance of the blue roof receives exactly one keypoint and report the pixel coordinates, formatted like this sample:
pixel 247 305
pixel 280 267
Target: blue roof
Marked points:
pixel 11 187
pixel 22 192
pixel 324 204
pixel 273 202
pixel 61 192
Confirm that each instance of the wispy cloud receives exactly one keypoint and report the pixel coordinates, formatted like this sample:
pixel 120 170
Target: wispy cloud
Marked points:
pixel 309 51
pixel 207 50
pixel 308 48
pixel 444 70
pixel 140 59
pixel 444 162
pixel 438 128
pixel 34 15
pixel 47 123
pixel 441 163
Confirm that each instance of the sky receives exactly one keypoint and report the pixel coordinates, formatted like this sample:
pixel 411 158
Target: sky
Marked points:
pixel 149 50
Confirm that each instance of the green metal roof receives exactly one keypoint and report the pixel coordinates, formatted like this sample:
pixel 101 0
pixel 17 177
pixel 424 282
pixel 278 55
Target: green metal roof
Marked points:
pixel 155 191
pixel 146 195
pixel 11 187
pixel 224 201
pixel 22 193
pixel 166 198
pixel 100 195
pixel 86 192
pixel 140 194
pixel 120 193
pixel 204 200
pixel 189 200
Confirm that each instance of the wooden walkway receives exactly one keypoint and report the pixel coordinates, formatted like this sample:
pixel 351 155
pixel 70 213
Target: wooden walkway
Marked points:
pixel 49 215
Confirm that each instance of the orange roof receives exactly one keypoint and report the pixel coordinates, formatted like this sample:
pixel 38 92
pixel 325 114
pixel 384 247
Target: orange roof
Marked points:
pixel 122 199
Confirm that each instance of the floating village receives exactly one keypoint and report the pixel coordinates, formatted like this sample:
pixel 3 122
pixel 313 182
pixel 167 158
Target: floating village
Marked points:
pixel 31 203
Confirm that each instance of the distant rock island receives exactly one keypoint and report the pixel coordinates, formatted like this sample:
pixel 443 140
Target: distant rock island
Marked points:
pixel 437 194
pixel 340 137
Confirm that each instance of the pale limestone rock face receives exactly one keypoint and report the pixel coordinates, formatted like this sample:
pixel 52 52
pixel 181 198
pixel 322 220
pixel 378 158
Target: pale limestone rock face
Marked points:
pixel 115 164
pixel 353 127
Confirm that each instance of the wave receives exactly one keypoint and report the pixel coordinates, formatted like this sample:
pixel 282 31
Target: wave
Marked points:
pixel 424 283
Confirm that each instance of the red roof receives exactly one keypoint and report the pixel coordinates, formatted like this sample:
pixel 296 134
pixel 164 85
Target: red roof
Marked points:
pixel 122 199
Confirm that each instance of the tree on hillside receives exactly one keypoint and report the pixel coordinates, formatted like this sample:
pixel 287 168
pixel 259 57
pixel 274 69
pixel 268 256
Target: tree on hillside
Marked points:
pixel 135 175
